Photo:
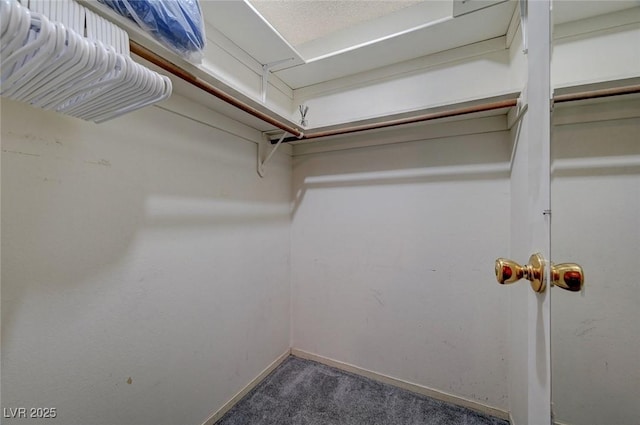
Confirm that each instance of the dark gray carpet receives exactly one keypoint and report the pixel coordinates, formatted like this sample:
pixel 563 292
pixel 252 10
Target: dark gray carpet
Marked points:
pixel 305 392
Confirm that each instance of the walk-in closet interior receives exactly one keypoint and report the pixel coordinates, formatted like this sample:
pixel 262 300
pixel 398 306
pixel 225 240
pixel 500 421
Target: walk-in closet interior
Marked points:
pixel 342 182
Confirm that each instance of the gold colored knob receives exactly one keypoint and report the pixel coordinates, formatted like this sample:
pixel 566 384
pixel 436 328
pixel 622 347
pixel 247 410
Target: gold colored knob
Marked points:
pixel 568 276
pixel 508 271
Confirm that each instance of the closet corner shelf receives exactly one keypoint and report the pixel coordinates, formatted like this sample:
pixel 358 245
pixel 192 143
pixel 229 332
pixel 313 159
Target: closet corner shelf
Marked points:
pixel 152 51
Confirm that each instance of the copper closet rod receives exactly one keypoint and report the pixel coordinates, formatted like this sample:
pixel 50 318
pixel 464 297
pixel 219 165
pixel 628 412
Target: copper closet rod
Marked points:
pixel 179 72
pixel 176 70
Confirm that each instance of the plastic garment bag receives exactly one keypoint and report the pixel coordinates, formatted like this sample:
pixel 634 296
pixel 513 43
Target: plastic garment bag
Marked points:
pixel 176 23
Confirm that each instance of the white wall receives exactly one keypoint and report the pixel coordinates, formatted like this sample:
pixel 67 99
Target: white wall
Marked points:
pixel 148 248
pixel 480 70
pixel 145 265
pixel 597 49
pixel 392 260
pixel 596 223
pixel 430 81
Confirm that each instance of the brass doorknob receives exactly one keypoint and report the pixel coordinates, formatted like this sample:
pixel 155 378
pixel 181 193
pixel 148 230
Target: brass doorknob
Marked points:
pixel 569 276
pixel 508 271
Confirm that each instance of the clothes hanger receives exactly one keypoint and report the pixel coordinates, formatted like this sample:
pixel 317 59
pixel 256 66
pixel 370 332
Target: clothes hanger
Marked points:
pixel 5 14
pixel 166 93
pixel 129 90
pixel 25 61
pixel 88 60
pixel 104 64
pixel 103 87
pixel 66 57
pixel 49 65
pixel 17 30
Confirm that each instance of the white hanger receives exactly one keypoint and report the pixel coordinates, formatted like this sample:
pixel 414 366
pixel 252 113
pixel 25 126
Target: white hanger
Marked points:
pixel 97 90
pixel 63 64
pixel 17 30
pixel 43 47
pixel 51 66
pixel 122 94
pixel 13 37
pixel 150 89
pixel 105 63
pixel 5 14
pixel 166 93
pixel 88 58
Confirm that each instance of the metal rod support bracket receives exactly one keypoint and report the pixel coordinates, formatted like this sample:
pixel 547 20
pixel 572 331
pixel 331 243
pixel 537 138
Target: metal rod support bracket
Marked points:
pixel 266 69
pixel 261 146
pixel 522 106
pixel 523 25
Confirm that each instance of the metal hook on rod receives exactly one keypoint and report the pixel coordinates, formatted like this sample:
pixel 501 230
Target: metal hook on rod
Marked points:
pixel 303 114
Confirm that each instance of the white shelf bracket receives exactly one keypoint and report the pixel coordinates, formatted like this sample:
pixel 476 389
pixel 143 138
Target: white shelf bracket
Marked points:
pixel 523 25
pixel 266 69
pixel 521 108
pixel 261 147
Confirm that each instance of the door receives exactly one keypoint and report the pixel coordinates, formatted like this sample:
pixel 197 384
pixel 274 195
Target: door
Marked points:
pixel 529 359
pixel 595 186
pixel 596 221
pixel 595 336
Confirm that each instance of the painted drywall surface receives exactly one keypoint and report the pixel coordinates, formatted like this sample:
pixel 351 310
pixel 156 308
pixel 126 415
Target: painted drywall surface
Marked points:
pixel 392 261
pixel 234 67
pixel 596 223
pixel 145 267
pixel 597 49
pixel 592 50
pixel 442 79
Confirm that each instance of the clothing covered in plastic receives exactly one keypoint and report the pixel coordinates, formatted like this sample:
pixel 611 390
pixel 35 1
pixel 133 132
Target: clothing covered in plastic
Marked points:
pixel 177 23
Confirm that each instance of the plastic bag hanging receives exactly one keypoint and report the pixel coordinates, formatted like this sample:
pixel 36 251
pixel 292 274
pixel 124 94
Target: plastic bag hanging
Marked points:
pixel 178 24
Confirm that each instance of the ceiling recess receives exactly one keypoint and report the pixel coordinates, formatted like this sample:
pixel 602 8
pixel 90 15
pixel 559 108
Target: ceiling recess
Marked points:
pixel 300 22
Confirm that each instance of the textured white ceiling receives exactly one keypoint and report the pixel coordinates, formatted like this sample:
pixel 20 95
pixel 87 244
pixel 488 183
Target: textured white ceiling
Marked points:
pixel 300 21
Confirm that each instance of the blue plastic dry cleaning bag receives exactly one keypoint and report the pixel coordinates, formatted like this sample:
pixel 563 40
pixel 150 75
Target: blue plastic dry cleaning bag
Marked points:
pixel 176 23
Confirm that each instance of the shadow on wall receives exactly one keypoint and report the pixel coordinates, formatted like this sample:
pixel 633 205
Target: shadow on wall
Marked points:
pixel 596 223
pixel 452 159
pixel 63 189
pixel 595 149
pixel 76 195
pixel 426 85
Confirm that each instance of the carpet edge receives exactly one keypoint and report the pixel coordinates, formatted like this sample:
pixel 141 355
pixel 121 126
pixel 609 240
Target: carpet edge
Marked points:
pixel 406 385
pixel 218 414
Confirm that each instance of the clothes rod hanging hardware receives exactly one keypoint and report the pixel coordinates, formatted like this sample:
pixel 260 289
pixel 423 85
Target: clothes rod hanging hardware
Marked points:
pixel 183 74
pixel 262 163
pixel 303 114
pixel 266 69
pixel 509 103
pixel 521 108
pixel 597 94
pixel 572 97
pixel 179 72
pixel 523 25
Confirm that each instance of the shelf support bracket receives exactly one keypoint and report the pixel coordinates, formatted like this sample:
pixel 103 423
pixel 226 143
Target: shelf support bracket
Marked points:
pixel 261 146
pixel 266 69
pixel 524 13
